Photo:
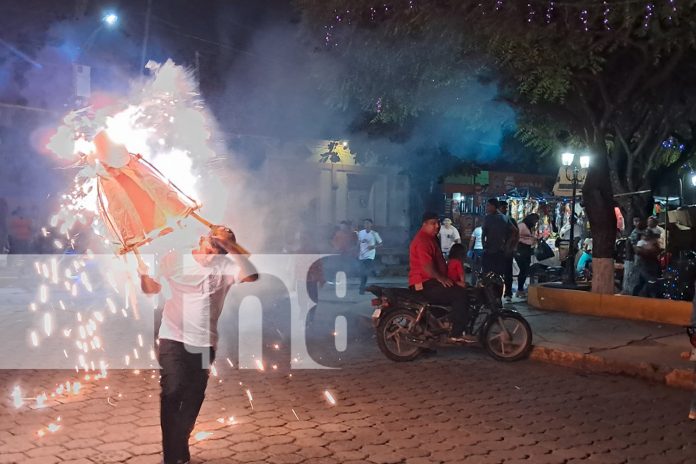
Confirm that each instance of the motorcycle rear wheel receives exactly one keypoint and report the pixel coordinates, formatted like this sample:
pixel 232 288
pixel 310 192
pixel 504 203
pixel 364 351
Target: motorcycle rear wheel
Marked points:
pixel 390 336
pixel 510 342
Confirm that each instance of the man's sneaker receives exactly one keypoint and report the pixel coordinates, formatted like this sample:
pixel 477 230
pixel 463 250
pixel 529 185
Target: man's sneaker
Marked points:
pixel 508 299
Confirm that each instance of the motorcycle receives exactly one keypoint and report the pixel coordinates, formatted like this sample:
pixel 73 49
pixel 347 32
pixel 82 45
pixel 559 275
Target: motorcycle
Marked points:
pixel 406 324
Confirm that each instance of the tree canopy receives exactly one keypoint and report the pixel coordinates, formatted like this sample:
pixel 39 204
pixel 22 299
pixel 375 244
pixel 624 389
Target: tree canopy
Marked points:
pixel 613 78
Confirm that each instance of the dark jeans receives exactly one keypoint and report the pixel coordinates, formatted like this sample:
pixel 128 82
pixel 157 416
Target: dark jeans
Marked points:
pixel 645 275
pixel 366 268
pixel 456 297
pixel 524 260
pixel 508 276
pixel 476 261
pixel 501 264
pixel 183 381
pixel 493 262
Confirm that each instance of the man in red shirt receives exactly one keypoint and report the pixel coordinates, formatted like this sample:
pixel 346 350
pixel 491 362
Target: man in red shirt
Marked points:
pixel 428 274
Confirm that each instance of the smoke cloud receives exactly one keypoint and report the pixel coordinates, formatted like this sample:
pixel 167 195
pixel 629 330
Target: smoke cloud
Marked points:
pixel 261 79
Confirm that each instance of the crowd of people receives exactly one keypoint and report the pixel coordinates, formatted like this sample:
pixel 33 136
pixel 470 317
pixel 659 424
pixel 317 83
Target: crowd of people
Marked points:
pixel 497 240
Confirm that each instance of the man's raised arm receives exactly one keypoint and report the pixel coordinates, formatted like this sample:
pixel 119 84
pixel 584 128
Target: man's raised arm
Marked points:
pixel 225 238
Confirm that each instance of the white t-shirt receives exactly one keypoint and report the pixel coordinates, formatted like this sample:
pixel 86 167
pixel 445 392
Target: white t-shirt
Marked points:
pixel 476 237
pixel 195 297
pixel 448 237
pixel 366 240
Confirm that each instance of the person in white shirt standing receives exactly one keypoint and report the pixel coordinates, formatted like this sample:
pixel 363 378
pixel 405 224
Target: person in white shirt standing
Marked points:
pixel 476 250
pixel 368 240
pixel 198 283
pixel 449 235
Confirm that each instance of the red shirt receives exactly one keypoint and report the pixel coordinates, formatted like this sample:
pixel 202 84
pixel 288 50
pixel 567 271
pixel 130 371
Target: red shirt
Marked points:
pixel 455 270
pixel 424 250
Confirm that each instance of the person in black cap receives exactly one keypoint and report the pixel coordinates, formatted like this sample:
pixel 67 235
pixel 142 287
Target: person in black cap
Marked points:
pixel 428 274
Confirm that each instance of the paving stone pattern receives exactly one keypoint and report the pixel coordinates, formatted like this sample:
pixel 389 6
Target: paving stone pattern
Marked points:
pixel 467 409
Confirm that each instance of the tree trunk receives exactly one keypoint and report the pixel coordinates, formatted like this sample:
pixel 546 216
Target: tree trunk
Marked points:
pixel 598 198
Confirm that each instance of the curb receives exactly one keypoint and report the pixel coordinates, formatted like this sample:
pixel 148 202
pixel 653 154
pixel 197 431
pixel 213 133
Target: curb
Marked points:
pixel 547 298
pixel 678 378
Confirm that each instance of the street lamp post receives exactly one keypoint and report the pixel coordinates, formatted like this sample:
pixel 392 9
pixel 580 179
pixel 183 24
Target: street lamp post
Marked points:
pixel 576 172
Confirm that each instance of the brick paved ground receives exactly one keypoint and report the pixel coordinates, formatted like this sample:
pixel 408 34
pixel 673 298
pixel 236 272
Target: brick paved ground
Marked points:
pixel 460 407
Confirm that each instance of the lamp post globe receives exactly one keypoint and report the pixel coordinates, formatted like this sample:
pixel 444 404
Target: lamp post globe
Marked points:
pixel 110 19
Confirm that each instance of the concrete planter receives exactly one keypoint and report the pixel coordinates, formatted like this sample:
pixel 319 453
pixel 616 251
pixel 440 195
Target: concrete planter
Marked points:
pixel 548 298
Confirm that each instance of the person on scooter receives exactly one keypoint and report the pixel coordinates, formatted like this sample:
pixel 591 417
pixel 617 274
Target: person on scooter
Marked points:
pixel 428 275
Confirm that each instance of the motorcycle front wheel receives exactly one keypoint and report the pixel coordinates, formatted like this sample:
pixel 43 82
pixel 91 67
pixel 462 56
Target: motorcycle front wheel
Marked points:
pixel 391 336
pixel 508 337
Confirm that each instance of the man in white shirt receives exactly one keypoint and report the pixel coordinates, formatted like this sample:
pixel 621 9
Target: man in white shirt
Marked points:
pixel 198 283
pixel 369 240
pixel 449 235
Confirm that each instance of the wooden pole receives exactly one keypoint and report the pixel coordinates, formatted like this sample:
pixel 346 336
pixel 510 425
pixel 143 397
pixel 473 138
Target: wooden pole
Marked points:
pixel 203 221
pixel 239 248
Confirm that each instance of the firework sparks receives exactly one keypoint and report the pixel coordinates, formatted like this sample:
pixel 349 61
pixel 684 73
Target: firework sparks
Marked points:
pixel 251 399
pixel 41 401
pixel 48 324
pixel 53 428
pixel 17 399
pixel 202 435
pixel 259 365
pixel 43 294
pixel 329 398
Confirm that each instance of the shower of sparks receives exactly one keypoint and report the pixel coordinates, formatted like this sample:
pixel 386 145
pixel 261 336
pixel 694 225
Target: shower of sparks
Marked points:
pixel 17 399
pixel 295 414
pixel 85 281
pixel 259 365
pixel 230 363
pixel 251 399
pixel 53 427
pixel 41 401
pixel 54 271
pixel 111 305
pixel 329 397
pixel 48 324
pixel 202 435
pixel 43 294
pixel 34 339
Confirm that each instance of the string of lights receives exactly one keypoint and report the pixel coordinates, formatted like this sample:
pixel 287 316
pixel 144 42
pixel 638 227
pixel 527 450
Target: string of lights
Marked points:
pixel 592 15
